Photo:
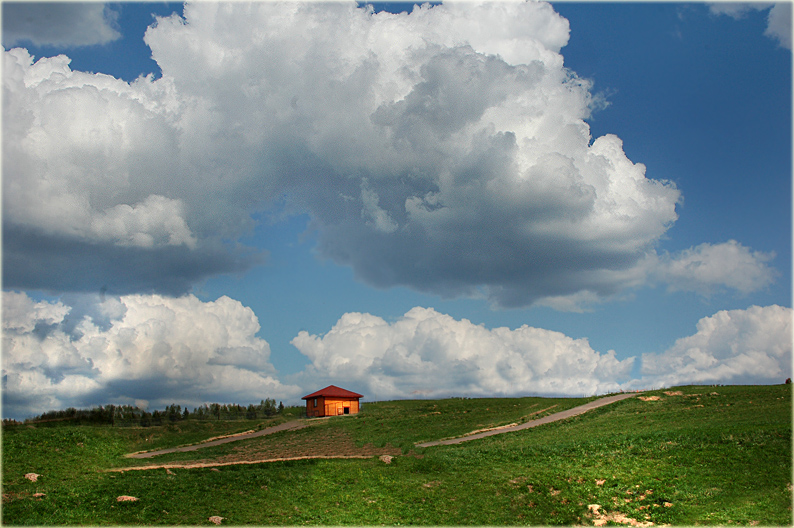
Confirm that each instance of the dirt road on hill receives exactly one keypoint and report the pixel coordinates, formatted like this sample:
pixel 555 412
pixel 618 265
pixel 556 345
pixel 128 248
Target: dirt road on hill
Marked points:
pixel 534 423
pixel 337 444
pixel 286 426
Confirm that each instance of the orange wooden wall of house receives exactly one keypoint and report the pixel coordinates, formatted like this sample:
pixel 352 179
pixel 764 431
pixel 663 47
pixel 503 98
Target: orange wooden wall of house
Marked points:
pixel 330 406
pixel 335 406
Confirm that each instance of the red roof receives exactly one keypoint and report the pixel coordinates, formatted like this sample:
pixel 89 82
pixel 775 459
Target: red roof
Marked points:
pixel 332 391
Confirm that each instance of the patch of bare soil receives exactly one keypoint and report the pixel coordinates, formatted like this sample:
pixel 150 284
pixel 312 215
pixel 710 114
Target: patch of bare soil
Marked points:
pixel 649 398
pixel 126 498
pixel 601 518
pixel 12 496
pixel 332 444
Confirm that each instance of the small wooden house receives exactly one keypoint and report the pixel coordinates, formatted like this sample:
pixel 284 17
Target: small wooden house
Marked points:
pixel 331 401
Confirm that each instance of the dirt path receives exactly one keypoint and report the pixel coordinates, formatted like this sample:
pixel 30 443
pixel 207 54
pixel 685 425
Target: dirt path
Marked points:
pixel 356 453
pixel 286 426
pixel 534 423
pixel 195 465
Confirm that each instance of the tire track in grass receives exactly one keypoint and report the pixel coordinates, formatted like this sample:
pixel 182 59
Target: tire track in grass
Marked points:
pixel 286 426
pixel 534 423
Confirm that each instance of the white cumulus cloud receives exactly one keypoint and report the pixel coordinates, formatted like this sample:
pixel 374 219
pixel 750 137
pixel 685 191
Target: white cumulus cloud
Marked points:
pixel 708 267
pixel 732 346
pixel 81 155
pixel 148 348
pixel 429 354
pixel 156 350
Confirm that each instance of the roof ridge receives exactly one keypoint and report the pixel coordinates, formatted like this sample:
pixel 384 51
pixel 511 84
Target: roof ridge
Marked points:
pixel 331 391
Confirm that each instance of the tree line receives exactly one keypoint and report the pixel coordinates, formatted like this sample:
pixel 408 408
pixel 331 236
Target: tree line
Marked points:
pixel 128 415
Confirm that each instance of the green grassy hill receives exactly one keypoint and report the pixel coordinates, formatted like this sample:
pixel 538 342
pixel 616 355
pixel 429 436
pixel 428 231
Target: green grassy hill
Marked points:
pixel 709 455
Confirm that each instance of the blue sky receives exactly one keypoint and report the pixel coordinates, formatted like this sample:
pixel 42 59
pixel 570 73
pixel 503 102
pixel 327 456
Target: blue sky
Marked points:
pixel 496 199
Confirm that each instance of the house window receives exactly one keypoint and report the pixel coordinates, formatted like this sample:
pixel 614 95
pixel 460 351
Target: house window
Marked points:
pixel 315 402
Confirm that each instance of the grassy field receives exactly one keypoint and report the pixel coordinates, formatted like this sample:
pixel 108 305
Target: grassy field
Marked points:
pixel 710 455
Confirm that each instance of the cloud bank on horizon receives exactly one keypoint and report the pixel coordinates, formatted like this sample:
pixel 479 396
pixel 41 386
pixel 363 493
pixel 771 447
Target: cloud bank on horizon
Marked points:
pixel 445 150
pixel 152 350
pixel 136 350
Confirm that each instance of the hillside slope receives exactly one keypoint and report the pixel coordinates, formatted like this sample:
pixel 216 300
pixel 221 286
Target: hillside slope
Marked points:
pixel 691 455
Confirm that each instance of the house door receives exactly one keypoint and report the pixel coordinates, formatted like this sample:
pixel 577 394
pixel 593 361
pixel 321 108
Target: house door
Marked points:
pixel 347 410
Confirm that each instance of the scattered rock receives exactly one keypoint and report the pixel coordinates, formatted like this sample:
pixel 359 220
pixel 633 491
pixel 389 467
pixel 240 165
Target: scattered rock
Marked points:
pixel 39 494
pixel 126 498
pixel 33 477
pixel 215 469
pixel 674 393
pixel 386 459
pixel 215 519
pixel 649 398
pixel 169 472
pixel 600 482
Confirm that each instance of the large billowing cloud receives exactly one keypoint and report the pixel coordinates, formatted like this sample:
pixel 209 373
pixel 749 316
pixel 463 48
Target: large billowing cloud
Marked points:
pixel 429 354
pixel 136 349
pixel 732 346
pixel 59 24
pixel 445 150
